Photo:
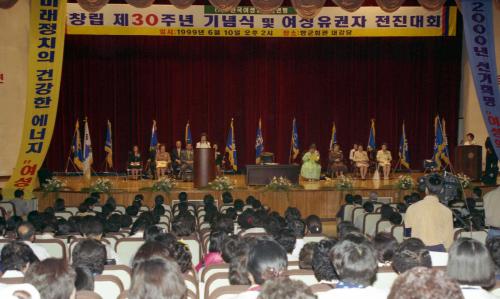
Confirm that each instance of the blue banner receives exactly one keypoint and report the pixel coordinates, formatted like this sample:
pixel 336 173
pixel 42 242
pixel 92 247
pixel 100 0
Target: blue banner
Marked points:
pixel 479 38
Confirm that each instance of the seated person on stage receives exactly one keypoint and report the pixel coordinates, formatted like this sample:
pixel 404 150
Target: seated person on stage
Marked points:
pixel 469 139
pixel 163 162
pixel 218 157
pixel 135 162
pixel 362 161
pixel 351 155
pixel 384 159
pixel 187 158
pixel 203 143
pixel 336 159
pixel 311 169
pixel 175 155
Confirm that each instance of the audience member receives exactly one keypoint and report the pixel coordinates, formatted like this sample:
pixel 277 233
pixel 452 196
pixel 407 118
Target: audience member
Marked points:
pixel 313 225
pixel 321 265
pixel 306 255
pixel 26 233
pixel 53 278
pixel 385 245
pixel 90 254
pixel 493 245
pixel 285 288
pixel 22 206
pixel 92 228
pixel 411 253
pixel 16 258
pixel 298 229
pixel 214 255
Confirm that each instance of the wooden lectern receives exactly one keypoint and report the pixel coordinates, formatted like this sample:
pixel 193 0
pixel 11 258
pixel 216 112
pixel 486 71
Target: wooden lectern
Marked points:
pixel 204 167
pixel 469 160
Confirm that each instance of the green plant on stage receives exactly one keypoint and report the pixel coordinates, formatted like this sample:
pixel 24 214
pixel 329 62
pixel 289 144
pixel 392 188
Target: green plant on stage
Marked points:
pixel 164 184
pixel 464 180
pixel 405 182
pixel 344 183
pixel 53 185
pixel 279 184
pixel 99 186
pixel 221 183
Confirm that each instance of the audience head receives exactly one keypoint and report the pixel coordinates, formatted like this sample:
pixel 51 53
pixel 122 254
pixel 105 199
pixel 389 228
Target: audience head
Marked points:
pixel 298 228
pixel 385 245
pixel 53 278
pixel 354 262
pixel 84 279
pixel 125 221
pixel 150 250
pixel 493 245
pixel 358 199
pixel 229 247
pixel 157 278
pixel 292 213
pixel 469 263
pixel 91 227
pixel 349 199
pixel 306 255
pixel 90 254
pixel 411 253
pixel 19 193
pixel 26 232
pixel 286 238
pixel 216 240
pixel 313 224
pixel 183 225
pixel 344 228
pixel 395 218
pixel 59 205
pixel 425 283
pixel 17 256
pixel 227 197
pixel 238 205
pixel 132 210
pixel 183 197
pixel 386 211
pixel 285 288
pixel 266 260
pixel 321 265
pixel 368 207
pixel 152 232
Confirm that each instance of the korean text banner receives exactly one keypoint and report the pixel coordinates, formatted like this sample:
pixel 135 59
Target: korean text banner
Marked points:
pixel 46 45
pixel 480 41
pixel 244 21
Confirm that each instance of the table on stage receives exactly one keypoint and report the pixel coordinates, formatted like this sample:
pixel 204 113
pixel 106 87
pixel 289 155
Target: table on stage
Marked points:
pixel 263 174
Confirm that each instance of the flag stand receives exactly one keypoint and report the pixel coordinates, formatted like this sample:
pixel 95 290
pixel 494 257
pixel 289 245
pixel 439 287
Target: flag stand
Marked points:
pixel 69 160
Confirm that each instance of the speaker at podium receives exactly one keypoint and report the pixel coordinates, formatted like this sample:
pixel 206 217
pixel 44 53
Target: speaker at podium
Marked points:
pixel 204 167
pixel 469 161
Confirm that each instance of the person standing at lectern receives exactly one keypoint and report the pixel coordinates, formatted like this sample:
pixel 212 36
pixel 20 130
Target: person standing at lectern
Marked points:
pixel 203 143
pixel 469 139
pixel 311 169
pixel 187 158
pixel 175 155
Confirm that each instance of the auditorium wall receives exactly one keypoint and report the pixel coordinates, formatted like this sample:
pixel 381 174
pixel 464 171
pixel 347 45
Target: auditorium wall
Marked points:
pixel 13 66
pixel 470 112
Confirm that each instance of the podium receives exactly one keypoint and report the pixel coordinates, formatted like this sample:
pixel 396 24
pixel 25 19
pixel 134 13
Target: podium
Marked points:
pixel 469 160
pixel 204 167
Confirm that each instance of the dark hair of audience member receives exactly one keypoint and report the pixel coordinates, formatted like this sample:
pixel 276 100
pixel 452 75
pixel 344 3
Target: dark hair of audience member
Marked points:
pixel 18 193
pixel 17 256
pixel 3 226
pixel 314 225
pixel 91 254
pixel 157 278
pixel 385 211
pixel 125 221
pixel 368 207
pixel 91 227
pixel 358 200
pixel 493 245
pixel 181 254
pixel 228 248
pixel 107 209
pixel 401 207
pixel 246 219
pixel 12 223
pixel 286 238
pixel 321 265
pixel 272 225
pixel 132 210
pixel 139 225
pixel 357 237
pixel 159 200
pixel 166 238
pixel 208 199
pixel 231 213
pixel 385 245
pixel 395 218
pixel 469 263
pixel 266 260
pixel 238 205
pixel 59 205
pixel 158 210
pixel 292 213
pixel 84 280
pixel 227 197
pixel 183 197
pixel 238 271
pixel 53 278
pixel 354 262
pixel 349 199
pixel 298 227
pixel 425 283
pixel 83 208
pixel 25 231
pixel 411 253
pixel 285 288
pixel 183 225
pixel 152 232
pixel 344 228
pixel 150 250
pixel 250 200
pixel 113 224
pixel 225 224
pixel 306 255
pixel 216 239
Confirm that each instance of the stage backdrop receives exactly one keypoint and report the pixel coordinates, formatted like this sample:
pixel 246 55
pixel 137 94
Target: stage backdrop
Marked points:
pixel 133 80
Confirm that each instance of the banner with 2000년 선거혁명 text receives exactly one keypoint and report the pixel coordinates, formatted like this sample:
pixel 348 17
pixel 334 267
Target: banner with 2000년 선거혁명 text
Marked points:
pixel 246 21
pixel 46 46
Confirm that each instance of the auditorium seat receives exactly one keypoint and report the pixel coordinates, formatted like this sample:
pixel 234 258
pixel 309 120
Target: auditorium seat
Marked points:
pixel 313 238
pixel 214 282
pixel 191 283
pixel 194 247
pixel 294 265
pixel 126 248
pixel 165 226
pixel 64 214
pixel 120 209
pixel 72 210
pixel 385 278
pixel 97 209
pixel 55 247
pixel 496 289
pixel 479 235
pixel 228 292
pixel 398 232
pixel 306 276
pixel 108 286
pixel 212 269
pixel 348 212
pixel 358 221
pixel 321 287
pixel 382 226
pixel 123 273
pixel 370 223
pixel 224 207
pixel 8 207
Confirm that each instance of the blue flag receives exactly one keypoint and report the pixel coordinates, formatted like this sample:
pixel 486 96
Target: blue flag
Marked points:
pixel 404 153
pixel 76 147
pixel 294 149
pixel 441 153
pixel 231 148
pixel 371 139
pixel 108 146
pixel 259 143
pixel 88 157
pixel 187 134
pixel 154 138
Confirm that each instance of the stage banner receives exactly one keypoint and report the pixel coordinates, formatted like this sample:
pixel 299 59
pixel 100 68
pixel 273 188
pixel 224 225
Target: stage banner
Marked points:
pixel 46 45
pixel 245 21
pixel 480 41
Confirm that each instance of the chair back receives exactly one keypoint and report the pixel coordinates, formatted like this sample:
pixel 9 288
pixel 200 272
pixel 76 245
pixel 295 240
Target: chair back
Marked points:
pixel 313 238
pixel 126 248
pixel 124 274
pixel 306 276
pixel 228 292
pixel 382 225
pixel 370 223
pixel 213 269
pixel 398 232
pixel 348 212
pixel 55 247
pixel 214 282
pixel 64 214
pixel 72 210
pixel 108 286
pixel 194 247
pixel 479 235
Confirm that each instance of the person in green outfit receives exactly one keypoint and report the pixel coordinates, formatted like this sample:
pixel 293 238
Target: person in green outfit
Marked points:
pixel 311 169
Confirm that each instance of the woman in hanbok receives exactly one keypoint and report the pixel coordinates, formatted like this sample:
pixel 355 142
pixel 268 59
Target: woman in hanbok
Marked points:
pixel 362 161
pixel 311 169
pixel 384 159
pixel 336 159
pixel 163 162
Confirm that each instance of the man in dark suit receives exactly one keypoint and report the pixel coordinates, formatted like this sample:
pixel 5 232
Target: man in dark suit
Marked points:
pixel 176 156
pixel 187 158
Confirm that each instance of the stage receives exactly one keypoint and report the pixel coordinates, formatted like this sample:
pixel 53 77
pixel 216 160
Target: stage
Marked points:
pixel 318 197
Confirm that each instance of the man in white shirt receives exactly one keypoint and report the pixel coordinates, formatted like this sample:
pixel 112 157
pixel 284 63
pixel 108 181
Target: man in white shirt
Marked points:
pixel 16 259
pixel 92 228
pixel 351 153
pixel 356 266
pixel 26 233
pixel 22 206
pixel 492 212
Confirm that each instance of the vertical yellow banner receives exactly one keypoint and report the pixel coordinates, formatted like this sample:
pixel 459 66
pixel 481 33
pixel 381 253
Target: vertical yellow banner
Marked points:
pixel 46 46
